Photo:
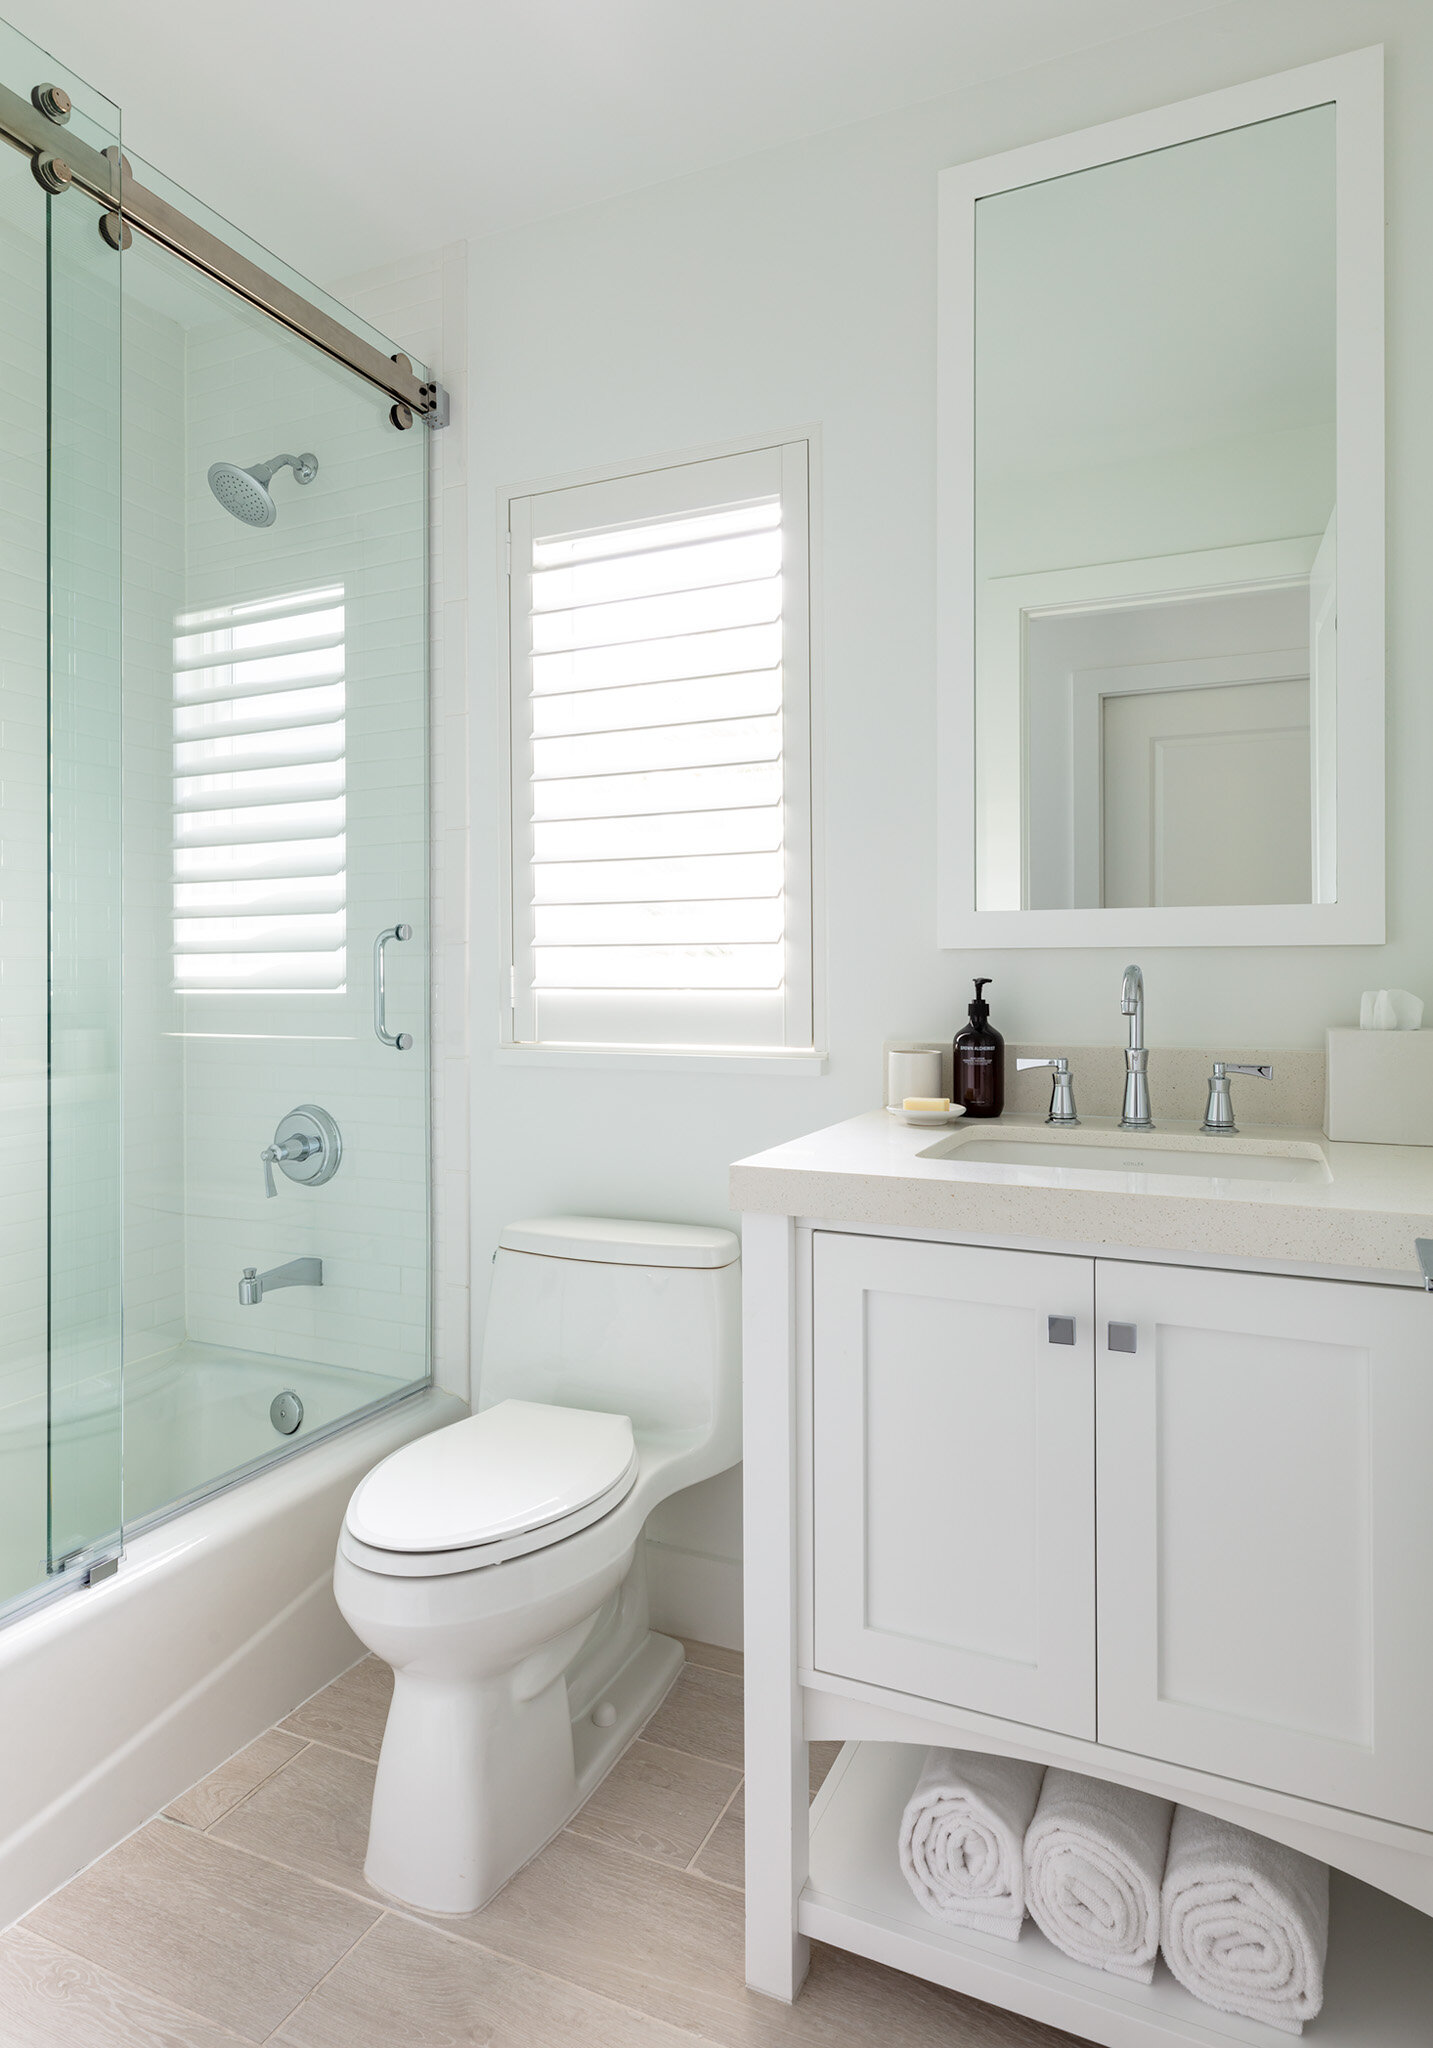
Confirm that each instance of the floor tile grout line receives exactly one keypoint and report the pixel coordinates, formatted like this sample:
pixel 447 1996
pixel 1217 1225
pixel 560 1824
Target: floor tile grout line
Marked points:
pixel 700 1755
pixel 692 1866
pixel 159 1998
pixel 414 1918
pixel 321 1742
pixel 330 1884
pixel 278 1771
pixel 357 1942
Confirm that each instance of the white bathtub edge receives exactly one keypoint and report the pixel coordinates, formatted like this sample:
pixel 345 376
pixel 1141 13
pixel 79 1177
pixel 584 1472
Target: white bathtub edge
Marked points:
pixel 117 1698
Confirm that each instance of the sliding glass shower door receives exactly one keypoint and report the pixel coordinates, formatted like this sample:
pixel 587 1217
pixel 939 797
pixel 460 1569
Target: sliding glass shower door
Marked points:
pixel 213 868
pixel 275 827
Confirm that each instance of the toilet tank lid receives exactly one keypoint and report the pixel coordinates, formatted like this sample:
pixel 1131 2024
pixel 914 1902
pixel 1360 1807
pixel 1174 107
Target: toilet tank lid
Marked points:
pixel 616 1241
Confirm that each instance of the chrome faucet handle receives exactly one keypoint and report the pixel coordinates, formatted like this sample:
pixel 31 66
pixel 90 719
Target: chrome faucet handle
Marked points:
pixel 296 1148
pixel 1219 1110
pixel 1062 1089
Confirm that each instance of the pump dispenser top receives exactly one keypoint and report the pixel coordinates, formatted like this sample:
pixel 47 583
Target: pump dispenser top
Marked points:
pixel 979 1082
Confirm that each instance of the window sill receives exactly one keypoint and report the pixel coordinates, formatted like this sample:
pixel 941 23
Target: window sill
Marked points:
pixel 644 1061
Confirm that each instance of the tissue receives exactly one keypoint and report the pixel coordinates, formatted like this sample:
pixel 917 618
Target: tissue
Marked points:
pixel 1389 1009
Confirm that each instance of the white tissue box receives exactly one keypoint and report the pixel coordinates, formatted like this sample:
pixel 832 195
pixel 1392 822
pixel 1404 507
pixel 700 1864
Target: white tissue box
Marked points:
pixel 1380 1087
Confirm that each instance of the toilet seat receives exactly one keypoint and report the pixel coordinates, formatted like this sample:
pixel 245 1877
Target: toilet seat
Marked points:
pixel 514 1478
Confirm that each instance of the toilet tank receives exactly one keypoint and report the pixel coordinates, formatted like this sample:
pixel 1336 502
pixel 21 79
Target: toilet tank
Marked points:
pixel 638 1319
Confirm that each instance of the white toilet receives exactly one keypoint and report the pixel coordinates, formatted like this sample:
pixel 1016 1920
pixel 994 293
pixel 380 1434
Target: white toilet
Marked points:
pixel 496 1564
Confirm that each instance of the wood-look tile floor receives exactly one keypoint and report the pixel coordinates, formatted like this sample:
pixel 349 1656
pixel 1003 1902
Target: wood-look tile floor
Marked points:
pixel 241 1915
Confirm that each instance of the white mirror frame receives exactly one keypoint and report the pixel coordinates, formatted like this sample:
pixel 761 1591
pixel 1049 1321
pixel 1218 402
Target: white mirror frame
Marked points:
pixel 1353 84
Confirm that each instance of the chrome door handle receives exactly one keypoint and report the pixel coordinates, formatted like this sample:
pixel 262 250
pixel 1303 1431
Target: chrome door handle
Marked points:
pixel 399 1040
pixel 1061 1329
pixel 1124 1336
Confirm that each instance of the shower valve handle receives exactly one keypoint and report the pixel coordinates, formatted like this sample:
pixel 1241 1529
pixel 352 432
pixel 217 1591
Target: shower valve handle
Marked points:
pixel 299 1146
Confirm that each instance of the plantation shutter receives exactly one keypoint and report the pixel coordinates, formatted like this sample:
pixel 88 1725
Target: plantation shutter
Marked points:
pixel 259 842
pixel 660 768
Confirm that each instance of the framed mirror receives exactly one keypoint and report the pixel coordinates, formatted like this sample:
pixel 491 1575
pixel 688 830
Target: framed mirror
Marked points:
pixel 1161 526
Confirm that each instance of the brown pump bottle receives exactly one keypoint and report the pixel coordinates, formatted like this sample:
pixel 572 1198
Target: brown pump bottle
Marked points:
pixel 980 1060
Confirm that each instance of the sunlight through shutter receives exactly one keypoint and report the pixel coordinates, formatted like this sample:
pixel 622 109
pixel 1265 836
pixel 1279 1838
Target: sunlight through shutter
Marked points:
pixel 259 843
pixel 659 682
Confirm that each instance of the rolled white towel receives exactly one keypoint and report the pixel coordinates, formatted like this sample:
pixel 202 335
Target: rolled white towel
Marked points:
pixel 1244 1922
pixel 1094 1857
pixel 963 1837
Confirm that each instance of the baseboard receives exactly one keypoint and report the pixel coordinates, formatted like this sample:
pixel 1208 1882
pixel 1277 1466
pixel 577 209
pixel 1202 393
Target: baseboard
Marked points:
pixel 695 1596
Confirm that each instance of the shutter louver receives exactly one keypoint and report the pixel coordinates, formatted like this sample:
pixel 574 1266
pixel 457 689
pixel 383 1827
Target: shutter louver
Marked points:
pixel 657 755
pixel 259 805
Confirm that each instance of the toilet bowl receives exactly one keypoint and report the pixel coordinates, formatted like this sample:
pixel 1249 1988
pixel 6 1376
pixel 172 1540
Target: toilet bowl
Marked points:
pixel 497 1565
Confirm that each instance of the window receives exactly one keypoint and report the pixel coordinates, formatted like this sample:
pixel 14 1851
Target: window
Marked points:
pixel 660 719
pixel 259 848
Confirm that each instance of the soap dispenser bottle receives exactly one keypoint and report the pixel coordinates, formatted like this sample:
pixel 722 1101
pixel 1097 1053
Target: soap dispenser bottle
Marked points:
pixel 980 1060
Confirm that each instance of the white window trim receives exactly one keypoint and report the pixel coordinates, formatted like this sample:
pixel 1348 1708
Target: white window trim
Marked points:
pixel 765 1060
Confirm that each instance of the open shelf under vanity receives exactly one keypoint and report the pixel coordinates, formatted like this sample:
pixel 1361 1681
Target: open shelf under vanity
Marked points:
pixel 1379 1983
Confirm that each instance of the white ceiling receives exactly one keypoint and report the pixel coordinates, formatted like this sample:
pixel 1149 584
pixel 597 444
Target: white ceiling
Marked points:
pixel 341 133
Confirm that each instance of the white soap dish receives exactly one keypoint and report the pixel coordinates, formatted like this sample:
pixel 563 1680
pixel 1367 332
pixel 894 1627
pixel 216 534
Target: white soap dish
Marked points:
pixel 925 1116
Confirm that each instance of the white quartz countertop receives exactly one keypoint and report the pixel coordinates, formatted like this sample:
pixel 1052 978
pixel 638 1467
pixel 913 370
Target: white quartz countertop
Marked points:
pixel 1360 1208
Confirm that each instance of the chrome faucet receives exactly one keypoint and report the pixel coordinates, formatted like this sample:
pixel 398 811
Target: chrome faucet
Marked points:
pixel 297 1273
pixel 1135 1115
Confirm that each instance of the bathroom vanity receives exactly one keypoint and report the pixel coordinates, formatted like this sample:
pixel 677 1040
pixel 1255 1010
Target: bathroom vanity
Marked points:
pixel 1105 1450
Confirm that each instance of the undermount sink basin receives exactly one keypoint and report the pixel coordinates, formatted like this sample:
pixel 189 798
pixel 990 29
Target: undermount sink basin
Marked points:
pixel 1207 1163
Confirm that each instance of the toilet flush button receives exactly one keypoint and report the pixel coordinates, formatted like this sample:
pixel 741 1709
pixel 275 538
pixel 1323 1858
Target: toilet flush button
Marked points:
pixel 605 1715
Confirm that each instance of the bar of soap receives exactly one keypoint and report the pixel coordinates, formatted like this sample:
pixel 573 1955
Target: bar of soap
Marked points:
pixel 931 1104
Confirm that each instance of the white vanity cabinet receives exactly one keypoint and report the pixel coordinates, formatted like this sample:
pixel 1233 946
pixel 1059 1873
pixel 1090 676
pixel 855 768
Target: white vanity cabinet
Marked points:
pixel 1214 1488
pixel 953 1474
pixel 1168 1524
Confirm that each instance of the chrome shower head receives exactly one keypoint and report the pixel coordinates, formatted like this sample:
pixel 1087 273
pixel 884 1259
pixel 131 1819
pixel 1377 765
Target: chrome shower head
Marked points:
pixel 245 492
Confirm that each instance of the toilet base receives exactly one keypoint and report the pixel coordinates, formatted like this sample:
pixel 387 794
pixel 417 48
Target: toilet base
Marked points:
pixel 549 1761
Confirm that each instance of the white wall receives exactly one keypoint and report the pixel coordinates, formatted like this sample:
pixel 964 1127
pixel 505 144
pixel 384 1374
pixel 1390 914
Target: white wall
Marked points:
pixel 799 286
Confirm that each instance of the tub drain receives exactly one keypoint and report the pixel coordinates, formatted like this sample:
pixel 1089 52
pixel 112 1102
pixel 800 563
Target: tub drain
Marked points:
pixel 286 1412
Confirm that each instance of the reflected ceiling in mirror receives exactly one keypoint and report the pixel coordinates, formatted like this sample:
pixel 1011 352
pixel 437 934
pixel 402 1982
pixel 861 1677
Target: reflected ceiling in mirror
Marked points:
pixel 1155 534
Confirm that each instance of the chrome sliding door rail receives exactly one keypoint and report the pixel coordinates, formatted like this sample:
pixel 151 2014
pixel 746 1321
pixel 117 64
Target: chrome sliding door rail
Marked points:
pixel 62 162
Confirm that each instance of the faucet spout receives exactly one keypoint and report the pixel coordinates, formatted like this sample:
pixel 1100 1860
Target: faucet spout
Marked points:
pixel 297 1273
pixel 1134 1115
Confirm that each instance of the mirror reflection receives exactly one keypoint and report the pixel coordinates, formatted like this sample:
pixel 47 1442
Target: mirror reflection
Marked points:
pixel 1156 543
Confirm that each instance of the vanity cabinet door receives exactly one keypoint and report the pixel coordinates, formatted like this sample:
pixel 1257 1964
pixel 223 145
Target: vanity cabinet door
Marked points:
pixel 953 1482
pixel 1265 1486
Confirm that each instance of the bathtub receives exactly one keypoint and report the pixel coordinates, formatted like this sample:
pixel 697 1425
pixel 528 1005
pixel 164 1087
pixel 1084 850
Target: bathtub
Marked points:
pixel 219 1620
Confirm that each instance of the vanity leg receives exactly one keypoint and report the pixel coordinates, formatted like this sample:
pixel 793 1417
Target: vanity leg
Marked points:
pixel 777 1796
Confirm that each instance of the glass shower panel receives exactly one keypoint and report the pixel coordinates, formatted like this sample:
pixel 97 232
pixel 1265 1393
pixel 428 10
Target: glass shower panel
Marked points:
pixel 23 1029
pixel 85 1164
pixel 276 823
pixel 59 861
